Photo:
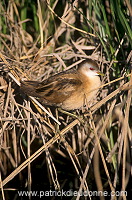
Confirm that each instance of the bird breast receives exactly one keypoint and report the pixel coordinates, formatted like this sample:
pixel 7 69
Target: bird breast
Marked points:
pixel 91 87
pixel 83 94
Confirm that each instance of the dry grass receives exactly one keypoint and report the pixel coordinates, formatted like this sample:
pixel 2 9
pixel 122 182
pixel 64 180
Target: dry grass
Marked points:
pixel 91 154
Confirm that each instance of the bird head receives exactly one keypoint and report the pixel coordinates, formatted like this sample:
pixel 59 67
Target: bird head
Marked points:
pixel 89 68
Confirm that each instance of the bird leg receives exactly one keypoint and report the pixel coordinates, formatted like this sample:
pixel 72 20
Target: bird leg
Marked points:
pixel 71 114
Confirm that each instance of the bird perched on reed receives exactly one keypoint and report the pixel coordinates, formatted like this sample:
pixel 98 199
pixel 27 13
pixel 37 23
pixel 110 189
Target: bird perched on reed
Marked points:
pixel 70 89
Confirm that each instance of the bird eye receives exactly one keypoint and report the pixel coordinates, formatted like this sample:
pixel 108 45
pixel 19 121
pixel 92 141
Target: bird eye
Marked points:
pixel 91 68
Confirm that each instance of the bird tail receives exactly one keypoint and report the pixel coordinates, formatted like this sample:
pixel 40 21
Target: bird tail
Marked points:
pixel 29 87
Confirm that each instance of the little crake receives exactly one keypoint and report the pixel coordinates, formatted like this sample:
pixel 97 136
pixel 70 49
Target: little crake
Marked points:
pixel 68 90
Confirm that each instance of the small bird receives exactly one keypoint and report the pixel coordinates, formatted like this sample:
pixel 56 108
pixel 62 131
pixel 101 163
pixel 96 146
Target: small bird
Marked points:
pixel 70 89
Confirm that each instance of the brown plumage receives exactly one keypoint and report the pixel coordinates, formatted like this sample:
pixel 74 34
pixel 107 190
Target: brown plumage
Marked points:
pixel 70 89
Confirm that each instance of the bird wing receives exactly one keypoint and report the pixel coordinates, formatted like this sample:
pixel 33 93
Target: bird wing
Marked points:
pixel 55 89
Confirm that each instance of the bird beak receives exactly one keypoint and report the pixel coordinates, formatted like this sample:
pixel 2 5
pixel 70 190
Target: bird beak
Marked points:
pixel 100 73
